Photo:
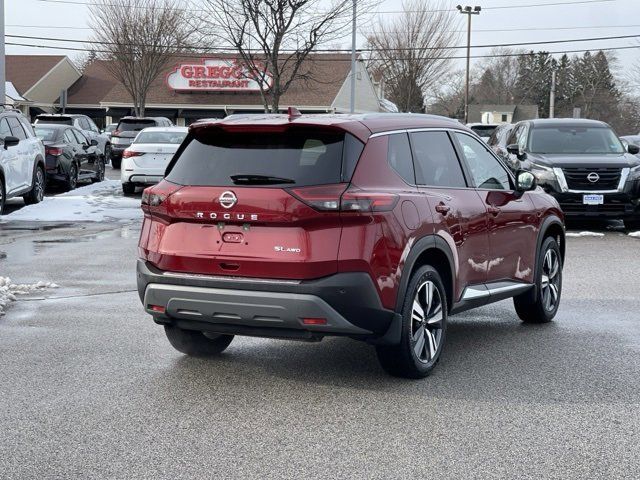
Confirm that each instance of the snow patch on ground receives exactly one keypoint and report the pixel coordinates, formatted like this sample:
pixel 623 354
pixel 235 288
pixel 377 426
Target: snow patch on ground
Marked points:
pixel 635 234
pixel 98 202
pixel 585 234
pixel 8 290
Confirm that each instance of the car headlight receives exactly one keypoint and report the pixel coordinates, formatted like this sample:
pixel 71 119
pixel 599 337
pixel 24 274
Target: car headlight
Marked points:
pixel 543 173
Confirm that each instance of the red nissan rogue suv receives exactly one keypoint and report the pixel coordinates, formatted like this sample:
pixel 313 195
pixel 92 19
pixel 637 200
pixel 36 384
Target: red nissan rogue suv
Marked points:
pixel 375 227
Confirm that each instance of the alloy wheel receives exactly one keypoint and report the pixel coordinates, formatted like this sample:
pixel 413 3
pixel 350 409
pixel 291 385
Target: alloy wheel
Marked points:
pixel 550 279
pixel 426 322
pixel 39 185
pixel 73 177
pixel 100 171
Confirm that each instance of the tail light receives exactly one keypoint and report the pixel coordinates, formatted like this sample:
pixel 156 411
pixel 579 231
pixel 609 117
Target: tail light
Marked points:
pixel 323 197
pixel 55 151
pixel 337 198
pixel 129 153
pixel 116 132
pixel 363 201
pixel 154 198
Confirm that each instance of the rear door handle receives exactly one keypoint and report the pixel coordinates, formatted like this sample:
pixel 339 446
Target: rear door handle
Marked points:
pixel 493 210
pixel 442 208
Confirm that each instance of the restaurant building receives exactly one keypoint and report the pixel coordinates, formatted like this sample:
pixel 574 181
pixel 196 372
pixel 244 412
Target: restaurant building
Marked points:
pixel 192 88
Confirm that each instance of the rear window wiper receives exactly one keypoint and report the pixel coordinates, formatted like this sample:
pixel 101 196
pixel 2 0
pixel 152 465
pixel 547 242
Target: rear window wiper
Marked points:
pixel 259 180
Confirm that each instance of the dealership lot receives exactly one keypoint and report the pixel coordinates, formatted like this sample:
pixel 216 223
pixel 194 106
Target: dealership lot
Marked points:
pixel 91 388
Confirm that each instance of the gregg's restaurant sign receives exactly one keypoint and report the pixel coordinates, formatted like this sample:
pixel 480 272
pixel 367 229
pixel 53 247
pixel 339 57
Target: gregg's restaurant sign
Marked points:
pixel 214 75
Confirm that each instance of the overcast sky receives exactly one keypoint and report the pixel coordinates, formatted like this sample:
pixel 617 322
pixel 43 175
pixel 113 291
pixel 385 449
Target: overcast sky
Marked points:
pixel 567 21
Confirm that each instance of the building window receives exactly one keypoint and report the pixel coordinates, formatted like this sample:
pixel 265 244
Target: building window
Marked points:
pixel 504 117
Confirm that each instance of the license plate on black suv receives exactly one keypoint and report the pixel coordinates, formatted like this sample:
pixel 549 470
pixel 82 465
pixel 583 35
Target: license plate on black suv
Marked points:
pixel 593 199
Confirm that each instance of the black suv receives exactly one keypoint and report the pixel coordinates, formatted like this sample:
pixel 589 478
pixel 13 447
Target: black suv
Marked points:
pixel 127 130
pixel 583 164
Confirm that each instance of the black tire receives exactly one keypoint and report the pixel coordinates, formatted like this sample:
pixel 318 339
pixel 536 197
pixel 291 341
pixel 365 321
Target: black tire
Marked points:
pixel 3 195
pixel 541 304
pixel 116 162
pixel 195 343
pixel 99 176
pixel 107 154
pixel 632 225
pixel 418 354
pixel 72 178
pixel 36 195
pixel 128 188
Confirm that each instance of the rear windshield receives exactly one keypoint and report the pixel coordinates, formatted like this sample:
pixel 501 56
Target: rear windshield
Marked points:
pixel 46 134
pixel 574 139
pixel 160 137
pixel 57 120
pixel 134 125
pixel 296 157
pixel 484 130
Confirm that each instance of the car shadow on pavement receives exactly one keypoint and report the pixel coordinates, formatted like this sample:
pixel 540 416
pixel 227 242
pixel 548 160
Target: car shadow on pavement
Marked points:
pixel 489 355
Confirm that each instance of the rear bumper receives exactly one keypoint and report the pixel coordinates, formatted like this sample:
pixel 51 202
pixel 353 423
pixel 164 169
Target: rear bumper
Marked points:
pixel 270 308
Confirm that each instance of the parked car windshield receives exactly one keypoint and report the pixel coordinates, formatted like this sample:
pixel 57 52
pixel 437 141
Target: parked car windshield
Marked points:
pixel 56 120
pixel 111 127
pixel 301 157
pixel 574 140
pixel 134 125
pixel 160 137
pixel 46 134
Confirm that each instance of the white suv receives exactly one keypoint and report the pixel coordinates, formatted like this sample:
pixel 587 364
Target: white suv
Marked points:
pixel 22 160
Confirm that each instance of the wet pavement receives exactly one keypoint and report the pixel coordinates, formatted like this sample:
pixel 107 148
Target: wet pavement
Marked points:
pixel 90 387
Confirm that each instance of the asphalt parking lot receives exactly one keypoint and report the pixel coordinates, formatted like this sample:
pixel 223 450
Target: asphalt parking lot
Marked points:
pixel 90 387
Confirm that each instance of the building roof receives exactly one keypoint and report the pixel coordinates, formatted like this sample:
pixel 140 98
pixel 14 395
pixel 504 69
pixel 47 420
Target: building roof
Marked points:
pixel 24 71
pixel 98 87
pixel 12 93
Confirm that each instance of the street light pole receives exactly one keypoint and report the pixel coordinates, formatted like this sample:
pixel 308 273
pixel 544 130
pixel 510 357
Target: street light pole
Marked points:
pixel 352 101
pixel 3 97
pixel 468 11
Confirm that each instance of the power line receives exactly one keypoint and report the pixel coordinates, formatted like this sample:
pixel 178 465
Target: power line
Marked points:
pixel 499 7
pixel 475 30
pixel 328 52
pixel 494 45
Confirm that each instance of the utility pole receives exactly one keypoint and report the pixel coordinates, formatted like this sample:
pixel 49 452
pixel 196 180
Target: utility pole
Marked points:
pixel 352 101
pixel 2 58
pixel 468 11
pixel 552 95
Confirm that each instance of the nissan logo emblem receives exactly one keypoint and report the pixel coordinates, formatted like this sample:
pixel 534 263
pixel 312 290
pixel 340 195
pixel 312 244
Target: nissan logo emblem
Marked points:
pixel 228 199
pixel 593 177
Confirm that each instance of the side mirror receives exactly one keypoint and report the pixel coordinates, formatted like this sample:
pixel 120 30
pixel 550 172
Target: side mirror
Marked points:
pixel 10 141
pixel 514 149
pixel 633 149
pixel 94 142
pixel 525 181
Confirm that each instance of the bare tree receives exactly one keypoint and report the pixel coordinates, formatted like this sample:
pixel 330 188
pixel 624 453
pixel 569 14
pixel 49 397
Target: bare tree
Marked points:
pixel 273 38
pixel 138 38
pixel 413 51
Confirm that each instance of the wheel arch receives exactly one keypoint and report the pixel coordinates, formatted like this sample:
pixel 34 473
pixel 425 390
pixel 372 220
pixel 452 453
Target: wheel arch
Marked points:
pixel 552 226
pixel 429 250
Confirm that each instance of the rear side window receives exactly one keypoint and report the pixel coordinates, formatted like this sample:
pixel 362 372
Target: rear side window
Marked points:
pixel 5 131
pixel 134 125
pixel 27 127
pixel 298 157
pixel 436 161
pixel 16 129
pixel 399 157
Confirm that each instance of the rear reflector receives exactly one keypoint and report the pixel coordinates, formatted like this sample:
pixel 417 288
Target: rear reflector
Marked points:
pixel 157 308
pixel 314 321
